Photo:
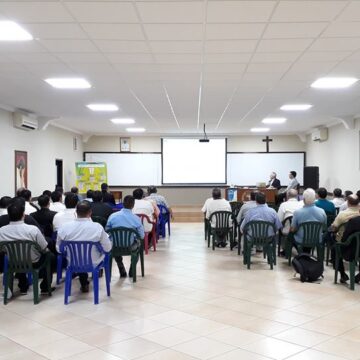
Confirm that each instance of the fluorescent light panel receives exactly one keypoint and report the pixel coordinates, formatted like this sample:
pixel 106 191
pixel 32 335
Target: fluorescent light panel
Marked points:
pixel 134 129
pixel 123 121
pixel 296 107
pixel 274 120
pixel 68 83
pixel 103 107
pixel 334 82
pixel 11 31
pixel 260 129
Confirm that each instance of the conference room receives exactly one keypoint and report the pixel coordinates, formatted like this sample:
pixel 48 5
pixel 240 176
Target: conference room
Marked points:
pixel 180 179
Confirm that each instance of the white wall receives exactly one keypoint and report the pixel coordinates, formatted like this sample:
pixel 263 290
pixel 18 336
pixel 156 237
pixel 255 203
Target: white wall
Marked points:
pixel 43 147
pixel 337 158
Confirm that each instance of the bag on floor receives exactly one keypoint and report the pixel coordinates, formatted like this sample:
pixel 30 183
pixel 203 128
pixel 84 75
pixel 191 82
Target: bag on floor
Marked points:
pixel 308 266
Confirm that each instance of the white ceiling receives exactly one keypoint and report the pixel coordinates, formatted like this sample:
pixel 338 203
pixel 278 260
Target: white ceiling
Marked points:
pixel 173 65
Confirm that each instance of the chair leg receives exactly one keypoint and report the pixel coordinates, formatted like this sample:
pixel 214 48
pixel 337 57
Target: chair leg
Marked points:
pixel 107 277
pixel 248 256
pixel 336 266
pixel 213 241
pixel 146 243
pixel 95 276
pixel 133 267
pixel 169 225
pixel 142 263
pixel 67 290
pixel 6 281
pixel 58 269
pixel 153 239
pixel 36 287
pixel 352 274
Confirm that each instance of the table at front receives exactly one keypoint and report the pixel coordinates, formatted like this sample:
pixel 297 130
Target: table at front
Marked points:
pixel 243 194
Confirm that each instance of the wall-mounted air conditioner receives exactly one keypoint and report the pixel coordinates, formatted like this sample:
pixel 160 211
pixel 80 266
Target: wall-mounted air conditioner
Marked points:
pixel 24 122
pixel 319 134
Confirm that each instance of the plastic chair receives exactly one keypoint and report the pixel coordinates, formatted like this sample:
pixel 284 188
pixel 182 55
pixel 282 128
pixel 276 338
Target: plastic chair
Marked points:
pixel 235 208
pixel 18 260
pixel 256 233
pixel 206 227
pixel 143 218
pixel 80 261
pixel 312 233
pixel 100 220
pixel 164 218
pixel 223 227
pixel 122 240
pixel 354 241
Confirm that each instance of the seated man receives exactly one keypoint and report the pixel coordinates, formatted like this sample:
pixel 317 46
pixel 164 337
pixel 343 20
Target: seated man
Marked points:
pixel 89 195
pixel 308 213
pixel 146 207
pixel 107 196
pixel 342 218
pixel 67 215
pixel 57 205
pixel 75 190
pixel 338 199
pixel 5 201
pixel 323 203
pixel 206 204
pixel 98 207
pixel 246 207
pixel 274 182
pixel 288 208
pixel 158 199
pixel 18 230
pixel 344 206
pixel 82 228
pixel 29 206
pixel 125 218
pixel 293 184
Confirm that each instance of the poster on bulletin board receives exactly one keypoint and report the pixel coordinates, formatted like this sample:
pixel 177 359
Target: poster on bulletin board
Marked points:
pixel 90 175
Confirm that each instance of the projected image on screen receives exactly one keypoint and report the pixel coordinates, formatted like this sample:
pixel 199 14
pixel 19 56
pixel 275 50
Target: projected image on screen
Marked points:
pixel 187 161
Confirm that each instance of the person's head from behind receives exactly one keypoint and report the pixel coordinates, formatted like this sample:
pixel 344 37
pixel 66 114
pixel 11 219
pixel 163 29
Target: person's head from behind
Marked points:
pixel 71 201
pixel 273 175
pixel 292 174
pixel 358 193
pixel 337 193
pixel 292 194
pixel 60 189
pixel 47 193
pixel 5 201
pixel 129 202
pixel 253 195
pixel 216 194
pixel 83 209
pixel 44 201
pixel 138 194
pixel 97 196
pixel 56 196
pixel 19 191
pixel 26 194
pixel 322 193
pixel 16 209
pixel 104 187
pixel 74 190
pixel 353 200
pixel 152 190
pixel 260 198
pixel 309 196
pixel 347 193
pixel 89 194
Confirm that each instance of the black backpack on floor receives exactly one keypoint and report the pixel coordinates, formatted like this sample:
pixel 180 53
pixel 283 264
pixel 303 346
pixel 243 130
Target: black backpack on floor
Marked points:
pixel 308 266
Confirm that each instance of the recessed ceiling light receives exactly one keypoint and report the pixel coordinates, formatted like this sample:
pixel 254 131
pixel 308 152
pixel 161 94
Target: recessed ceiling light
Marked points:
pixel 103 107
pixel 11 31
pixel 123 121
pixel 274 120
pixel 260 129
pixel 296 107
pixel 333 82
pixel 69 83
pixel 135 129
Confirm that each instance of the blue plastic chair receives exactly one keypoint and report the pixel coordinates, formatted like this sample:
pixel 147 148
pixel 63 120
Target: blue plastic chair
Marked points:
pixel 80 261
pixel 164 218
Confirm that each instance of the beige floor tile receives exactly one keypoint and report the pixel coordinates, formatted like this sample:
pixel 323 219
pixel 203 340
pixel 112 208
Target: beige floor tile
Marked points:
pixel 76 327
pixel 172 317
pixel 202 327
pixel 240 354
pixel 302 337
pixel 353 335
pixel 93 355
pixel 23 354
pixel 274 348
pixel 8 347
pixel 340 347
pixel 265 327
pixel 314 355
pixel 140 326
pixel 203 348
pixel 103 336
pixel 328 327
pixel 167 354
pixel 289 317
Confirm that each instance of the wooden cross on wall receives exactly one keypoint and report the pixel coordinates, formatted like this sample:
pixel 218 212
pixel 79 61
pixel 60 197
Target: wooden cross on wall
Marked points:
pixel 268 141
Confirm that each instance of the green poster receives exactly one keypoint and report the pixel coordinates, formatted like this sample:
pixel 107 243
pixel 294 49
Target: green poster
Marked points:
pixel 90 175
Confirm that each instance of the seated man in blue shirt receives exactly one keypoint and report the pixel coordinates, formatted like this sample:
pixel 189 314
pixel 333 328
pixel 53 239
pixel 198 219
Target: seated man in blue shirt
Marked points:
pixel 308 213
pixel 323 203
pixel 125 218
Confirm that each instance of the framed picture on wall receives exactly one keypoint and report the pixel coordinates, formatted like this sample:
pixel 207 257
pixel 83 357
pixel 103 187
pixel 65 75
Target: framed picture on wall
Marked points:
pixel 125 144
pixel 21 169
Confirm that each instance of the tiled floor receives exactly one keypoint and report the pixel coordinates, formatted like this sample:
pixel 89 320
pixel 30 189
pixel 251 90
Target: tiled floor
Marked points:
pixel 194 303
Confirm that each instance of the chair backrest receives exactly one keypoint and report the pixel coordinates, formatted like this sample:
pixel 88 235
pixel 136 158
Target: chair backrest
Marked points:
pixel 144 217
pixel 79 254
pixel 19 254
pixel 312 233
pixel 123 237
pixel 353 241
pixel 259 232
pixel 235 208
pixel 221 219
pixel 287 221
pixel 100 220
pixel 163 209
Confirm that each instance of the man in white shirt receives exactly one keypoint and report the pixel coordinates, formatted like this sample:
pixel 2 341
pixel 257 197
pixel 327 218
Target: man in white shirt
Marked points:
pixel 57 204
pixel 82 228
pixel 206 204
pixel 29 207
pixel 158 199
pixel 67 215
pixel 143 206
pixel 217 204
pixel 338 199
pixel 5 201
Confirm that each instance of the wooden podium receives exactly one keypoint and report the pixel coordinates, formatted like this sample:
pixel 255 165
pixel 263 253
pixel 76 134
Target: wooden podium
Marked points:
pixel 243 194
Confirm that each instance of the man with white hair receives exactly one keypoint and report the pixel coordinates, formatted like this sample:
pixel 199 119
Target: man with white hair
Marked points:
pixel 308 213
pixel 274 182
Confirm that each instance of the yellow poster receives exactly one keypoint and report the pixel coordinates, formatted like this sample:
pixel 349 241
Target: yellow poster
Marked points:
pixel 90 175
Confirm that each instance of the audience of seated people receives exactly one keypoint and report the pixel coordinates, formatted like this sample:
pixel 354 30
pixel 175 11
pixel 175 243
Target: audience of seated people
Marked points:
pixel 323 203
pixel 107 196
pixel 57 204
pixel 67 215
pixel 98 207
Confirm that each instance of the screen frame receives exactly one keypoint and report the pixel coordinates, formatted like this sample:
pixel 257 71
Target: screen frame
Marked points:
pixel 192 184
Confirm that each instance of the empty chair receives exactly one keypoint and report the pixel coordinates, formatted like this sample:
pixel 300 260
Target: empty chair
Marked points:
pixel 164 218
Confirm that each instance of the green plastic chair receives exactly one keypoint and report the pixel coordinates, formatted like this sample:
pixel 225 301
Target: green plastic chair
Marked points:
pixel 235 208
pixel 312 232
pixel 122 239
pixel 256 233
pixel 355 237
pixel 18 253
pixel 222 226
pixel 100 220
pixel 330 246
pixel 206 227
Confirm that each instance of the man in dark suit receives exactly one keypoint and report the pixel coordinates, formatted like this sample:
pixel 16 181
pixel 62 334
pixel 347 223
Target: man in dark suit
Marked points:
pixel 45 216
pixel 98 207
pixel 274 182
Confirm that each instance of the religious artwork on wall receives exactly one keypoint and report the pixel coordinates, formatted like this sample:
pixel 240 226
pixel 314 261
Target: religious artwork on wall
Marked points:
pixel 21 170
pixel 125 144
